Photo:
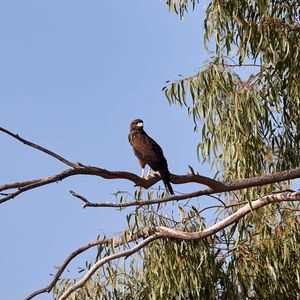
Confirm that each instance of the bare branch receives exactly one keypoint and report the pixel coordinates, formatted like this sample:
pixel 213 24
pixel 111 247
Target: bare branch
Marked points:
pixel 210 207
pixel 218 199
pixel 91 170
pixel 31 184
pixel 15 185
pixel 79 169
pixel 164 232
pixel 226 187
pixel 30 144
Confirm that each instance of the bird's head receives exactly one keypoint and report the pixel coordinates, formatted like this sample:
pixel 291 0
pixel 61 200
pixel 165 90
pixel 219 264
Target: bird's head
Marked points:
pixel 136 124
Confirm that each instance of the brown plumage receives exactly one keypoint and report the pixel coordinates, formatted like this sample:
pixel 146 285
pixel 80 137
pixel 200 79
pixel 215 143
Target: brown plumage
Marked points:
pixel 149 152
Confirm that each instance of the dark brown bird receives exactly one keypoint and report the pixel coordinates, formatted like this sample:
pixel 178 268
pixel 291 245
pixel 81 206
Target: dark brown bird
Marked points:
pixel 149 152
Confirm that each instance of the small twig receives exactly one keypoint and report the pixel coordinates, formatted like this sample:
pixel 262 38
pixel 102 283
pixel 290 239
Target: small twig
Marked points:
pixel 218 199
pixel 209 207
pixel 4 194
pixel 241 65
pixel 192 170
pixel 230 206
pixel 81 198
pixel 87 203
pixel 235 204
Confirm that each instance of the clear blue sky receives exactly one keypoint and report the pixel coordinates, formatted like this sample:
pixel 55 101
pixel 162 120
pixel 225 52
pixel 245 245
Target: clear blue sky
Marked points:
pixel 73 75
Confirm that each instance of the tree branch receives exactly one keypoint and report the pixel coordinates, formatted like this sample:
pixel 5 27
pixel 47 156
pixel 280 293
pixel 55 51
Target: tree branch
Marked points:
pixel 104 260
pixel 63 266
pixel 91 170
pixel 240 213
pixel 79 169
pixel 164 232
pixel 226 187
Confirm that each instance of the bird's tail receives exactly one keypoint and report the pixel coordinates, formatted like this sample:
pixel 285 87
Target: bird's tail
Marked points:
pixel 165 176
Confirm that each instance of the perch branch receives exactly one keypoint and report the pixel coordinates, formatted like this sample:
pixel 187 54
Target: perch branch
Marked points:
pixel 91 170
pixel 79 169
pixel 226 187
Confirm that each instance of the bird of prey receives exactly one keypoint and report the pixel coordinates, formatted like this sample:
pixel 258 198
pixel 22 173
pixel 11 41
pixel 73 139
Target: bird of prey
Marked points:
pixel 149 152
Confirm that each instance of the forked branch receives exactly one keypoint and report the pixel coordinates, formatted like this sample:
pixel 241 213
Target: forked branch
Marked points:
pixel 78 251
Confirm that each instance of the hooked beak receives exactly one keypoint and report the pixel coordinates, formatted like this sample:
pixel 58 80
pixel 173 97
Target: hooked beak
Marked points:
pixel 139 124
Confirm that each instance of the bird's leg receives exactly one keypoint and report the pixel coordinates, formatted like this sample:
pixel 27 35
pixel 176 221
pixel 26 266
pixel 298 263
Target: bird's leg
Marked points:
pixel 149 175
pixel 143 172
pixel 149 172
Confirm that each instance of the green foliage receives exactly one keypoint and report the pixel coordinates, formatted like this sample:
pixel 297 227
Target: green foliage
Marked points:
pixel 265 262
pixel 181 6
pixel 248 126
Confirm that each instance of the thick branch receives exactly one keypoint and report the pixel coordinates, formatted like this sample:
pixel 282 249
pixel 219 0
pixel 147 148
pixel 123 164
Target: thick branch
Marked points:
pixel 216 186
pixel 164 232
pixel 91 170
pixel 240 213
pixel 226 187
